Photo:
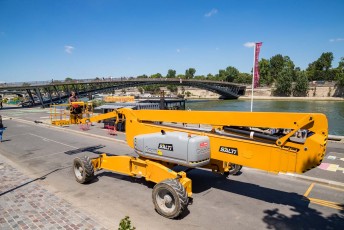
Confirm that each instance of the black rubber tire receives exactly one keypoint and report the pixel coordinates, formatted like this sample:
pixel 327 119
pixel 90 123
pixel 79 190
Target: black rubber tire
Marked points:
pixel 171 190
pixel 235 169
pixel 83 169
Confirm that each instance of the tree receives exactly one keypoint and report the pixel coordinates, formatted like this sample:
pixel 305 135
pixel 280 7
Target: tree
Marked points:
pixel 68 79
pixel 189 73
pixel 340 73
pixel 141 90
pixel 210 77
pixel 154 89
pixel 200 77
pixel 142 76
pixel 157 75
pixel 171 73
pixel 231 73
pixel 243 78
pixel 172 88
pixel 188 93
pixel 284 82
pixel 301 84
pixel 320 70
pixel 221 76
pixel 264 72
pixel 288 63
pixel 276 65
pixel 325 61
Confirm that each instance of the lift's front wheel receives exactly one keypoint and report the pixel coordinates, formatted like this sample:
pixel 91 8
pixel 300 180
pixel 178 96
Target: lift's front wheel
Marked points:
pixel 170 198
pixel 83 169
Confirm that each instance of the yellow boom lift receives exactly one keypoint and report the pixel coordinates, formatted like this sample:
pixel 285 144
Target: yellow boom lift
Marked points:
pixel 232 139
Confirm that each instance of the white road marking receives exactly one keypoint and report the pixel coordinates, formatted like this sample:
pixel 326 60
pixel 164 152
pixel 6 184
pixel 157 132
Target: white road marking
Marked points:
pixel 47 139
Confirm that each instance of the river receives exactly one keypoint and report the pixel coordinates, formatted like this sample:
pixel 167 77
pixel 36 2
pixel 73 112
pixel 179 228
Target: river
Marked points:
pixel 334 110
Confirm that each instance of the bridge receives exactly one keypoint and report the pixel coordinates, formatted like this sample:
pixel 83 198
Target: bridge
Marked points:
pixel 45 93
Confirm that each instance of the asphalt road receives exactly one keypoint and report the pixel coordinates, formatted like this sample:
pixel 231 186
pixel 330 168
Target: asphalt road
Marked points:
pixel 252 200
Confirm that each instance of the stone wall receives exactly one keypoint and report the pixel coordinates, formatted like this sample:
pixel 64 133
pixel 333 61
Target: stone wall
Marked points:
pixel 313 91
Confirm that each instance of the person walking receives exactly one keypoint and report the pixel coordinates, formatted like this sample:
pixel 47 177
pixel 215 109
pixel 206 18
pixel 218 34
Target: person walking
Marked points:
pixel 1 101
pixel 1 128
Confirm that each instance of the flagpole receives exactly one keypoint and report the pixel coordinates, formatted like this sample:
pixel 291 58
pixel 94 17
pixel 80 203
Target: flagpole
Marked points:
pixel 254 61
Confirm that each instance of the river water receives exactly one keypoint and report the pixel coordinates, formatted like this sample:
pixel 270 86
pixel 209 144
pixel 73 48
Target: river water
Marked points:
pixel 334 110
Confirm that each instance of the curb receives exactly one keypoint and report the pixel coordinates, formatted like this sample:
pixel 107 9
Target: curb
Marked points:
pixel 313 179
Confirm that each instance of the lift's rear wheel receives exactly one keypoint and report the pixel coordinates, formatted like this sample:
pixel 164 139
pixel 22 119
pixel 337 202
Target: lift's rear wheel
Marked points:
pixel 83 169
pixel 235 169
pixel 170 198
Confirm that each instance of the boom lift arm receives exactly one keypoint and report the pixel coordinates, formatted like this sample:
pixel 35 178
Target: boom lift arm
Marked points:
pixel 228 140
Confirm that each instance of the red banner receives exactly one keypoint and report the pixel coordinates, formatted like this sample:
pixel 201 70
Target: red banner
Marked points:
pixel 256 64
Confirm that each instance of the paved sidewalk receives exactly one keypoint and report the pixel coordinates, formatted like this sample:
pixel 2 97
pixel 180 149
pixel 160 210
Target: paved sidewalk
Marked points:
pixel 24 204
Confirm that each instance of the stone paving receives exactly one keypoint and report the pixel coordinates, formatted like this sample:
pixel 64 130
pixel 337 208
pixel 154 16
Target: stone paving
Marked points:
pixel 24 204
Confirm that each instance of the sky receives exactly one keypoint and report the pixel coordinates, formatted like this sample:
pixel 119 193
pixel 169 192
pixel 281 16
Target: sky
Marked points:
pixel 82 39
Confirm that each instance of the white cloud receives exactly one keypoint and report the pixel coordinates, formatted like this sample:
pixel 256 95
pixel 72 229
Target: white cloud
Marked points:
pixel 211 13
pixel 178 50
pixel 336 39
pixel 69 49
pixel 249 44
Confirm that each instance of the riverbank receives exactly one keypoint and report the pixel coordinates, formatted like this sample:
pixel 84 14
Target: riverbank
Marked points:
pixel 292 98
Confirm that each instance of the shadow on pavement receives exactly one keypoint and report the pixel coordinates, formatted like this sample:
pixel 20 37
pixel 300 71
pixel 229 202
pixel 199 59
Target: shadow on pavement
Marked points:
pixel 29 182
pixel 92 149
pixel 304 218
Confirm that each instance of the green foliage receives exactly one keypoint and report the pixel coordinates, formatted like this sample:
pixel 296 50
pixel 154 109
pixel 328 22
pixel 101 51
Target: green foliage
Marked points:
pixel 189 73
pixel 276 65
pixel 141 90
pixel 96 103
pixel 264 72
pixel 341 64
pixel 221 76
pixel 319 70
pixel 26 84
pixel 243 78
pixel 154 89
pixel 340 73
pixel 157 75
pixel 210 77
pixel 125 224
pixel 171 73
pixel 284 83
pixel 188 94
pixel 340 78
pixel 182 76
pixel 301 85
pixel 142 76
pixel 231 73
pixel 200 77
pixel 68 79
pixel 172 88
